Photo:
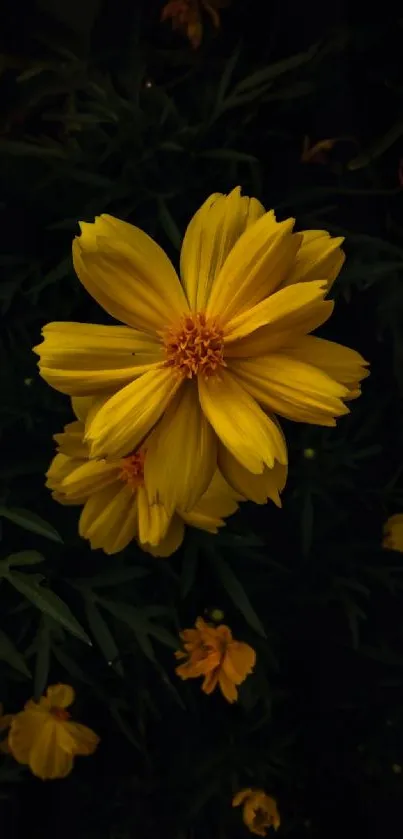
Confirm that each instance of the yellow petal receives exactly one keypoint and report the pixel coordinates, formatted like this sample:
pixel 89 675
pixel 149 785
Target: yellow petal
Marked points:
pixel 70 442
pixel 51 753
pixel 210 681
pixel 85 740
pixel 209 238
pixel 109 519
pixel 340 363
pixel 121 424
pixel 255 268
pixel 170 542
pixel 128 274
pixel 241 796
pixel 181 453
pixel 227 687
pixel 242 426
pixel 292 389
pixel 60 466
pixel 257 488
pixel 319 258
pixel 215 505
pixel 393 533
pixel 84 358
pixel 24 730
pixel 88 477
pixel 239 661
pixel 153 519
pixel 61 696
pixel 289 309
pixel 81 405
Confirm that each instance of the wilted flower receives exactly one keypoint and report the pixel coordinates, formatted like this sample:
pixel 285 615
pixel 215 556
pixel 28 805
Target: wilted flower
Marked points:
pixel 393 533
pixel 205 361
pixel 44 737
pixel 259 810
pixel 211 652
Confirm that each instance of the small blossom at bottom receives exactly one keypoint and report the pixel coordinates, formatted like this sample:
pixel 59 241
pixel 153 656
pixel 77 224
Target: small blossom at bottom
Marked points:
pixel 43 736
pixel 393 533
pixel 259 810
pixel 210 651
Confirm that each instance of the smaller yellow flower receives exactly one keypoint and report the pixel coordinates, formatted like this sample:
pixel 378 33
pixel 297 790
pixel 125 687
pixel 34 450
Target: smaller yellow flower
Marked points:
pixel 211 652
pixel 5 722
pixel 116 497
pixel 187 16
pixel 393 533
pixel 259 810
pixel 43 737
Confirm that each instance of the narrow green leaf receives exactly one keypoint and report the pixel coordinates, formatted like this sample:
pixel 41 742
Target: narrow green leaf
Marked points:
pixel 228 154
pixel 236 592
pixel 273 71
pixel 25 558
pixel 113 577
pixel 47 602
pixel 42 663
pixel 226 77
pixel 103 636
pixel 189 567
pixel 30 521
pixel 10 654
pixel 380 145
pixel 168 224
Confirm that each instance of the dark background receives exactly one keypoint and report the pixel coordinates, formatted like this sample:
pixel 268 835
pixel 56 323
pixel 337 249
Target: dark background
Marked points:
pixel 82 131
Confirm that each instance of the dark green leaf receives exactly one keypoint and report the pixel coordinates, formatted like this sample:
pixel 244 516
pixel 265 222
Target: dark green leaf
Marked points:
pixel 103 636
pixel 189 566
pixel 112 577
pixel 21 558
pixel 42 643
pixel 47 602
pixel 30 521
pixel 168 224
pixel 10 654
pixel 236 592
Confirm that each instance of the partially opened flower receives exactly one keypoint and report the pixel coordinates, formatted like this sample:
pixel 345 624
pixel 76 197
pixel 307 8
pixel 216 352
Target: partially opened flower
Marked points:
pixel 211 652
pixel 393 533
pixel 207 360
pixel 116 504
pixel 44 737
pixel 259 810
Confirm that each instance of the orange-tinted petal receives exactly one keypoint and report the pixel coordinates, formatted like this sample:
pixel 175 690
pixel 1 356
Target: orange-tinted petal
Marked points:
pixel 239 661
pixel 60 695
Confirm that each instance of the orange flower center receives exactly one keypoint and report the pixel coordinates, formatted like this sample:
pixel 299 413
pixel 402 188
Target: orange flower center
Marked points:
pixel 59 713
pixel 132 470
pixel 196 347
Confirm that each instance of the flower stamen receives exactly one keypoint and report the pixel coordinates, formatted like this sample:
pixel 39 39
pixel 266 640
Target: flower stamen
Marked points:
pixel 132 470
pixel 196 347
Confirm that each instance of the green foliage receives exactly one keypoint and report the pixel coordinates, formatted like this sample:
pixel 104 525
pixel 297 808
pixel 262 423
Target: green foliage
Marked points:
pixel 122 117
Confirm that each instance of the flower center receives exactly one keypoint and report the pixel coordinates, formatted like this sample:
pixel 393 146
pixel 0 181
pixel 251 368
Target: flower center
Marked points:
pixel 132 469
pixel 59 713
pixel 261 818
pixel 196 347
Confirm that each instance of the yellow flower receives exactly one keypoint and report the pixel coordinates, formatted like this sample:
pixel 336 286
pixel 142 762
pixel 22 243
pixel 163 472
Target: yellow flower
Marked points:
pixel 393 533
pixel 211 652
pixel 259 810
pixel 187 16
pixel 43 737
pixel 5 722
pixel 114 494
pixel 209 360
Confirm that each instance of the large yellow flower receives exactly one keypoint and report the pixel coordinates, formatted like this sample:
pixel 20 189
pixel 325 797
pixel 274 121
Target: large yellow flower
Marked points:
pixel 116 505
pixel 211 652
pixel 208 359
pixel 45 738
